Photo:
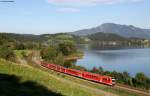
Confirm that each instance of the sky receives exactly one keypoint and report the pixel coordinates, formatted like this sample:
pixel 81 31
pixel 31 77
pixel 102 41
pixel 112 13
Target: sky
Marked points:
pixel 53 16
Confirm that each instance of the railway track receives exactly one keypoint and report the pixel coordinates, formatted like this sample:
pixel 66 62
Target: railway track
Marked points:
pixel 116 87
pixel 119 87
pixel 132 90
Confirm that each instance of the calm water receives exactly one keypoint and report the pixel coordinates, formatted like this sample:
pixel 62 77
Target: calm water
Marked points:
pixel 130 60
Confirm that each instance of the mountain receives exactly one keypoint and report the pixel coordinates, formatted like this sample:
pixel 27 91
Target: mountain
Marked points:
pixel 106 37
pixel 122 30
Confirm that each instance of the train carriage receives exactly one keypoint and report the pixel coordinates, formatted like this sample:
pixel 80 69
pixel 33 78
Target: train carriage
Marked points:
pixel 107 80
pixel 90 76
pixel 74 72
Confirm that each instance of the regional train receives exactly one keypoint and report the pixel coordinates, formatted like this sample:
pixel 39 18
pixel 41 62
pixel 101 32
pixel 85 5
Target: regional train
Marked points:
pixel 107 80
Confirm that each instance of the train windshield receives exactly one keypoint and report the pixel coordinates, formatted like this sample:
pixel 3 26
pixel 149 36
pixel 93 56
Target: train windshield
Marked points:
pixel 113 80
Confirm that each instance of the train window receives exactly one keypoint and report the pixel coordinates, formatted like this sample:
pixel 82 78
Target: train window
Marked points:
pixel 94 77
pixel 113 80
pixel 105 79
pixel 90 76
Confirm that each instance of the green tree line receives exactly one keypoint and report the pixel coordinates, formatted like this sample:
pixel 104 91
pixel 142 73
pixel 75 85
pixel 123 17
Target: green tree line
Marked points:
pixel 140 80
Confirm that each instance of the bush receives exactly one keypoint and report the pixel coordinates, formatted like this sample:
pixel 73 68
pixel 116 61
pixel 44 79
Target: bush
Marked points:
pixel 141 80
pixel 67 48
pixel 7 54
pixel 68 64
pixel 49 53
pixel 59 59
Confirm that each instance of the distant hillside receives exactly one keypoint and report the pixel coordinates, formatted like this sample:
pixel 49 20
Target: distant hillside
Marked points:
pixel 23 37
pixel 122 30
pixel 31 37
pixel 106 37
pixel 99 36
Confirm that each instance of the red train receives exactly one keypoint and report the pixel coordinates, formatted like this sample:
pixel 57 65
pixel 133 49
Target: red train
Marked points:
pixel 107 80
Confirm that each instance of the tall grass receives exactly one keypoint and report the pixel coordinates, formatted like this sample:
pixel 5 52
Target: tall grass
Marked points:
pixel 53 83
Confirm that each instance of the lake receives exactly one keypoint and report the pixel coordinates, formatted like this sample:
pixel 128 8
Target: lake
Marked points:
pixel 120 60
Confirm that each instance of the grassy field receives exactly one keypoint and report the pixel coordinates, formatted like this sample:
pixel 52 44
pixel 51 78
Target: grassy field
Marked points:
pixel 19 53
pixel 29 81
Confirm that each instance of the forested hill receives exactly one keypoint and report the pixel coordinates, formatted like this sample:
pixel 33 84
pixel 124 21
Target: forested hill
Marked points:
pixel 100 36
pixel 22 37
pixel 34 38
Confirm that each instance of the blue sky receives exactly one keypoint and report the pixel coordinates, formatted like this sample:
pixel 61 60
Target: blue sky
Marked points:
pixel 51 16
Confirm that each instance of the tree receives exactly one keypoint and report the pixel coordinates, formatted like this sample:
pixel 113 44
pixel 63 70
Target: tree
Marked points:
pixel 59 59
pixel 24 55
pixel 68 64
pixel 67 48
pixel 7 54
pixel 126 78
pixel 101 71
pixel 20 46
pixel 95 70
pixel 141 80
pixel 49 53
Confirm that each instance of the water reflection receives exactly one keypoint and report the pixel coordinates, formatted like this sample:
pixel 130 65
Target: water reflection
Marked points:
pixel 130 60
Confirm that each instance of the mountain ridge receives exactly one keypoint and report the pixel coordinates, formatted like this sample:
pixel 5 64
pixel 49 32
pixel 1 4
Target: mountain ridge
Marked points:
pixel 106 37
pixel 122 30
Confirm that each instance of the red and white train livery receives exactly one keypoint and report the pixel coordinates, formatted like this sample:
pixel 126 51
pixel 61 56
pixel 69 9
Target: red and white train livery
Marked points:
pixel 107 80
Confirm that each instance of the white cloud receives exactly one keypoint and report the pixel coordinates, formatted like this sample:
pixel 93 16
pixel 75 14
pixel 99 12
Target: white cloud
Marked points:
pixel 68 9
pixel 74 5
pixel 89 2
